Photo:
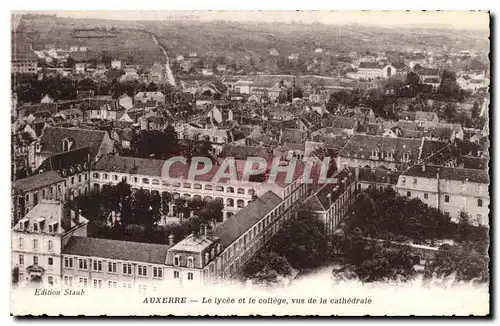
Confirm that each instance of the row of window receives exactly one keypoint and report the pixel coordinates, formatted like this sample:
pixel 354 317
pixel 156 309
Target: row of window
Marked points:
pixel 50 260
pixel 446 198
pixel 186 185
pixel 111 267
pixel 252 233
pixel 35 241
pixel 45 194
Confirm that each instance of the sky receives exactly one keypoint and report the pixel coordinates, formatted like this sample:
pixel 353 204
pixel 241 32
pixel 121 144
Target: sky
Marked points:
pixel 453 19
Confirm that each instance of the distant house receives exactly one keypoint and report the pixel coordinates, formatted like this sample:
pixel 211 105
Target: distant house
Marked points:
pixel 372 70
pixel 80 67
pixel 116 64
pixel 148 96
pixel 126 102
pixel 106 110
pixel 207 72
pixel 273 52
pixel 422 118
pixel 243 87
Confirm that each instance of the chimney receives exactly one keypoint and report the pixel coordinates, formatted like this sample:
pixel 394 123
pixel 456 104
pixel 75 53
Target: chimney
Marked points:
pixel 171 239
pixel 356 172
pixel 205 230
pixel 329 196
pixel 423 167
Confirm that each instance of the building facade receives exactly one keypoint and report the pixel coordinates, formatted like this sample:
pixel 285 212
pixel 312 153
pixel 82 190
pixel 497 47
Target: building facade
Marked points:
pixel 451 190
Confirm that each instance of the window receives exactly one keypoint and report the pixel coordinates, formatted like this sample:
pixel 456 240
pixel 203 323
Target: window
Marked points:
pixel 479 219
pixel 35 244
pixel 190 262
pixel 72 180
pixel 135 179
pixel 480 202
pixel 50 280
pixel 156 182
pixel 408 194
pixel 111 267
pixel 426 196
pixel 50 261
pixel 157 272
pixel 190 276
pixel 96 175
pixel 142 270
pixel 177 260
pixel 112 284
pixel 186 185
pixel 208 187
pixel 127 269
pixel 83 281
pixel 21 259
pixel 43 193
pixel 35 227
pixel 97 284
pixel 414 181
pixel 230 202
pixel 82 264
pixel 219 188
pixel 403 180
pixel 176 274
pixel 197 186
pixel 240 203
pixel 446 199
pixel 142 289
pixel 68 281
pixel 97 266
pixel 35 260
pixel 230 189
pixel 49 245
pixel 21 243
pixel 145 180
pixel 105 176
pixel 241 191
pixel 127 285
pixel 50 228
pixel 80 178
pixel 68 262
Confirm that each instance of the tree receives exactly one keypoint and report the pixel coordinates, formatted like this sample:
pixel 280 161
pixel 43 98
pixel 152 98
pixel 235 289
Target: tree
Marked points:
pixel 450 111
pixel 475 111
pixel 463 261
pixel 212 213
pixel 448 88
pixel 303 241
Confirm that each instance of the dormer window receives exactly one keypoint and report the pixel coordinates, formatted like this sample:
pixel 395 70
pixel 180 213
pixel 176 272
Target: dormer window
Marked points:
pixel 190 262
pixel 177 260
pixel 406 157
pixel 66 145
pixel 35 227
pixel 207 257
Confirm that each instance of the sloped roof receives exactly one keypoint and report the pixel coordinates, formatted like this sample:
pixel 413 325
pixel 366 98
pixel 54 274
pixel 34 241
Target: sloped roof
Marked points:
pixel 132 165
pixel 52 138
pixel 235 226
pixel 369 65
pixel 36 181
pixel 115 249
pixel 363 145
pixel 65 160
pixel 459 174
pixel 243 152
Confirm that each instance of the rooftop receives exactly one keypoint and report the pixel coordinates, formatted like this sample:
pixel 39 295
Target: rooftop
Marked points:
pixel 115 249
pixel 459 174
pixel 235 226
pixel 36 181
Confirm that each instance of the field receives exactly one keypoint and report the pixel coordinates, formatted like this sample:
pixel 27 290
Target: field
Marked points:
pixel 243 42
